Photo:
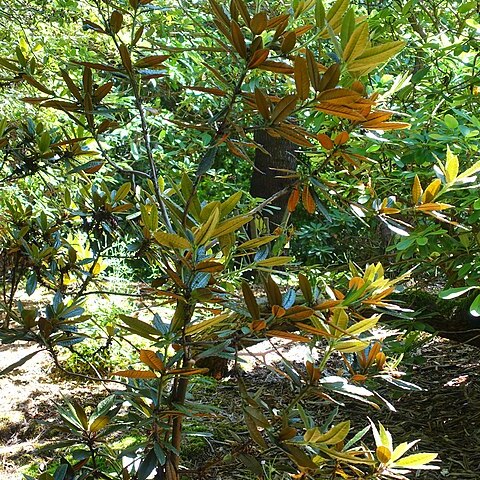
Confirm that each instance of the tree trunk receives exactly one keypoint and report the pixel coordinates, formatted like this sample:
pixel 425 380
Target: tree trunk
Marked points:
pixel 264 181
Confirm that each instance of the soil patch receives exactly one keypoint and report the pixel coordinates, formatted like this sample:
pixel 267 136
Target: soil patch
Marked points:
pixel 445 415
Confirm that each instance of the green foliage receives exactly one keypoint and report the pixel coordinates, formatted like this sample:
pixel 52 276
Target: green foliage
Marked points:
pixel 143 145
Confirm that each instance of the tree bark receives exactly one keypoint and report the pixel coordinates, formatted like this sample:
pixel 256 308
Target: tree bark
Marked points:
pixel 264 181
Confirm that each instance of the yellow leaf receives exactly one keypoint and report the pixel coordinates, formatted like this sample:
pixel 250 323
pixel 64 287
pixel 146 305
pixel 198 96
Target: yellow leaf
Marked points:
pixel 346 457
pixel 402 448
pixel 231 225
pixel 357 43
pixel 451 166
pixel 417 460
pixel 340 320
pixel 333 436
pixel 208 209
pixel 99 423
pixel 171 240
pixel 473 170
pixel 429 207
pixel 201 326
pixel 334 16
pixel 383 454
pixel 230 203
pixel 257 242
pixel 350 346
pixel 431 191
pixel 374 56
pixel 390 211
pixel 363 325
pixel 417 190
pixel 205 232
pixel 274 261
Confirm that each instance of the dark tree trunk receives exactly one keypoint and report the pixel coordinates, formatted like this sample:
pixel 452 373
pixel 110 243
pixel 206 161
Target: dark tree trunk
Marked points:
pixel 264 182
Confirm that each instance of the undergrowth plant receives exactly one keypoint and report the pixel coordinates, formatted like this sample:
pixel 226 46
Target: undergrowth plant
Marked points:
pixel 261 70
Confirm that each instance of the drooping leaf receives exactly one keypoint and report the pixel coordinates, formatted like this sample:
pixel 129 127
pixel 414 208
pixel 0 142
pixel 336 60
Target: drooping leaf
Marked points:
pixel 302 81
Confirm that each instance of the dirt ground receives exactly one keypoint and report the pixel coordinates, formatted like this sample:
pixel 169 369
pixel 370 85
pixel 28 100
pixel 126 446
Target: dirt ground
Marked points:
pixel 445 416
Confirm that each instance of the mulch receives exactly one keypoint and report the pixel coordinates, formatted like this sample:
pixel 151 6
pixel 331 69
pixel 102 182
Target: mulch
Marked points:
pixel 445 416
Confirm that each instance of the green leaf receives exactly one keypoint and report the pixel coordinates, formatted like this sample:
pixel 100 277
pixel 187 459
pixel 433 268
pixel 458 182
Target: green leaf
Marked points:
pixel 122 192
pixel 99 423
pixel 450 121
pixel 475 307
pixel 417 460
pixel 147 465
pixel 20 362
pixel 139 327
pixel 206 163
pixel 455 292
pixel 319 13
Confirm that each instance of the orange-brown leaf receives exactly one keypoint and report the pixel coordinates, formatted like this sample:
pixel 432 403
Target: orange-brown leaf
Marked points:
pixel 312 68
pixel 276 67
pixel 341 138
pixel 307 200
pixel 149 358
pixel 284 108
pixel 218 11
pixel 340 96
pixel 288 43
pixel 134 374
pixel 278 311
pixel 151 61
pixel 387 126
pixel 238 40
pixel 288 336
pixel 330 78
pixel 243 10
pixel 293 200
pixel 299 312
pixel 262 104
pixel 250 301
pixel 258 57
pixel 325 141
pixel 340 111
pixel 258 23
pixel 294 134
pixel 302 82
